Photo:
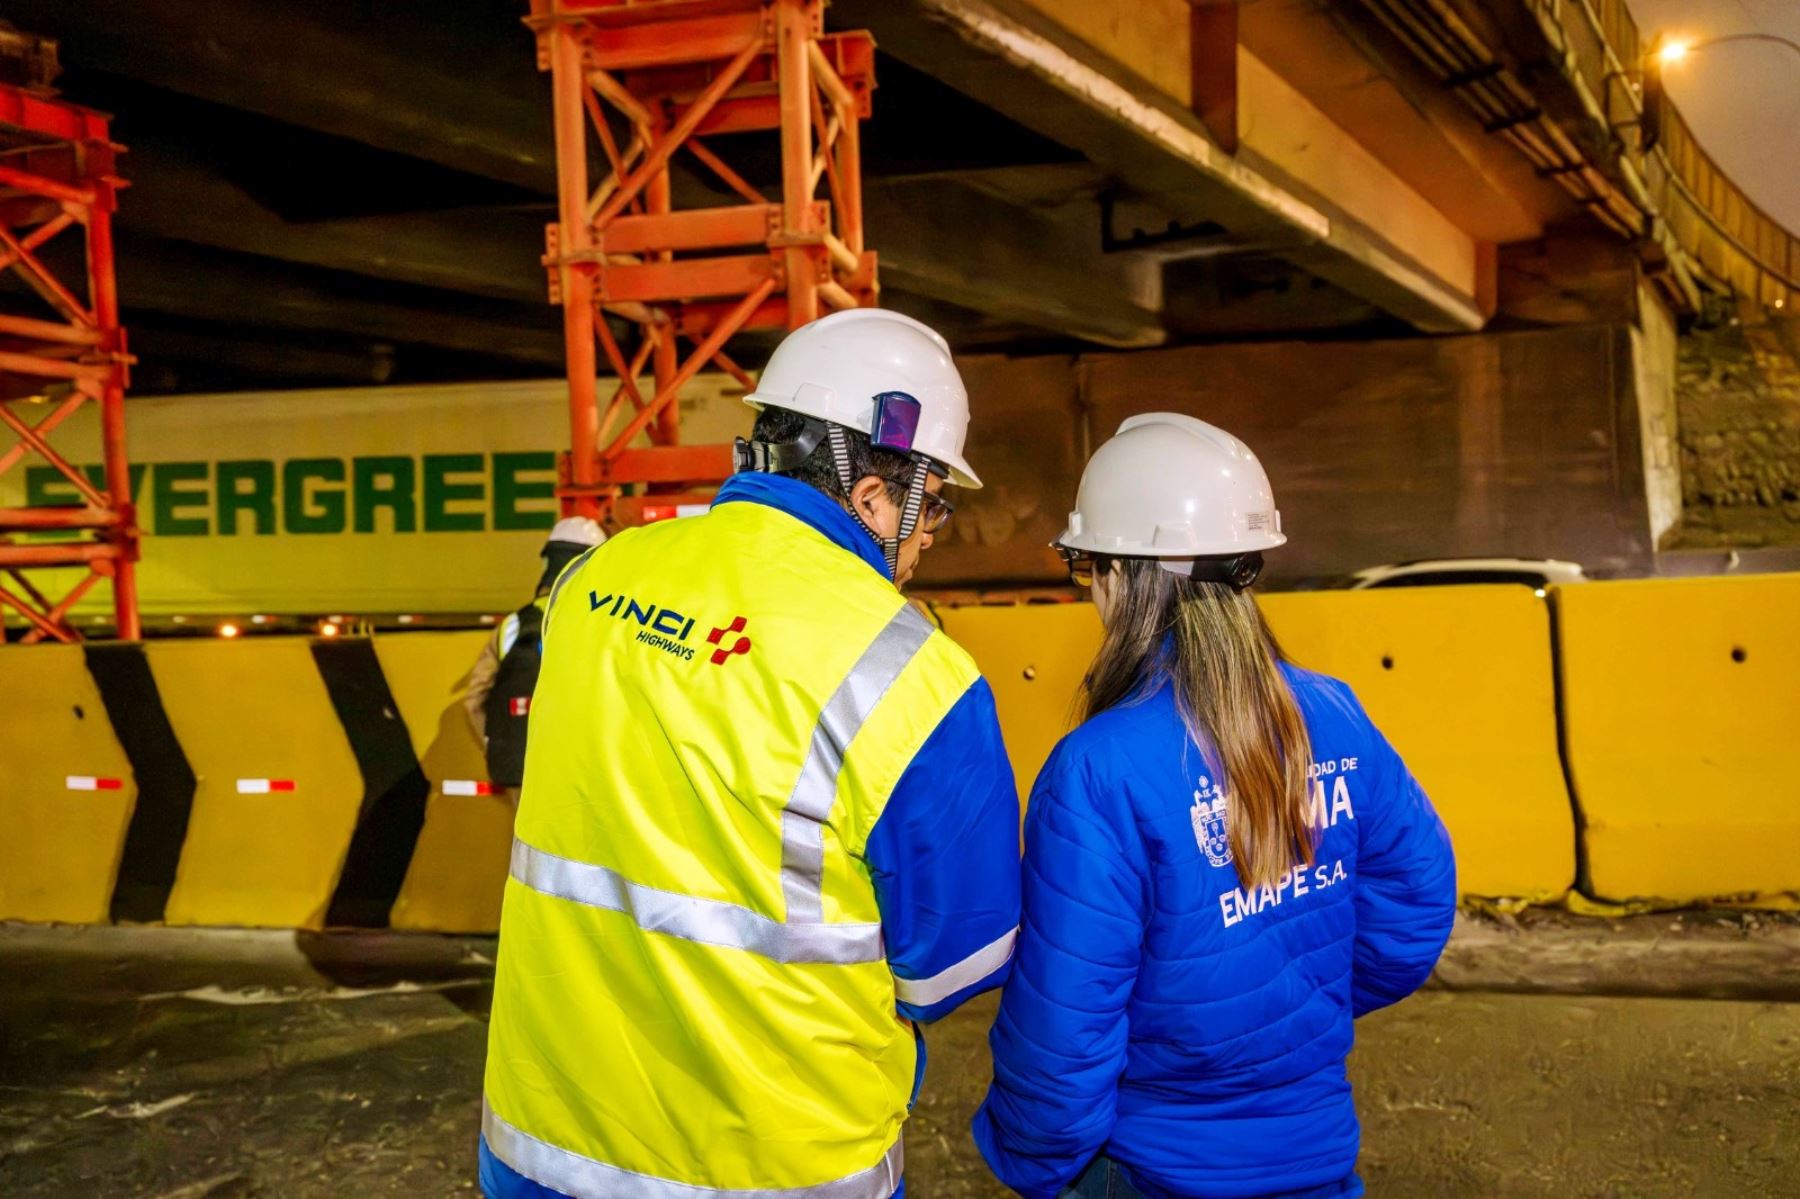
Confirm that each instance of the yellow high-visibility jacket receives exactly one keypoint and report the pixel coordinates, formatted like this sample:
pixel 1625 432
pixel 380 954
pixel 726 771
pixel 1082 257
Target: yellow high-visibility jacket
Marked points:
pixel 695 992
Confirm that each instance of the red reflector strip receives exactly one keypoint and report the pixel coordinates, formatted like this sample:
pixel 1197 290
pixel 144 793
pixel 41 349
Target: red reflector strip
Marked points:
pixel 263 786
pixel 89 782
pixel 519 705
pixel 655 512
pixel 468 787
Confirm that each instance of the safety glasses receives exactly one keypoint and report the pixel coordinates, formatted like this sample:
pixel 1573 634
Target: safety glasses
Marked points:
pixel 1238 571
pixel 935 512
pixel 1083 566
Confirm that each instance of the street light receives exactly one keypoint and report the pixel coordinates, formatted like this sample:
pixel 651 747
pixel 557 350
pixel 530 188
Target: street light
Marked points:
pixel 1666 50
pixel 1674 50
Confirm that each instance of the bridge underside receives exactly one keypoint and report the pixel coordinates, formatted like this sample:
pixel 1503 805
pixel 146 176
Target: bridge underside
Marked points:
pixel 323 198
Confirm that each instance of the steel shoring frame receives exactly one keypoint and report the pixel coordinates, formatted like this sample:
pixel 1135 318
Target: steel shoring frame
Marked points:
pixel 61 181
pixel 677 76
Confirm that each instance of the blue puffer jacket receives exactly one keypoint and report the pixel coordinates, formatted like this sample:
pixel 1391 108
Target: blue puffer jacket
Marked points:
pixel 1193 1031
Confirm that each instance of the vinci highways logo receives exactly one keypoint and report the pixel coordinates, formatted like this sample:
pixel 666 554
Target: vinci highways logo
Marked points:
pixel 662 627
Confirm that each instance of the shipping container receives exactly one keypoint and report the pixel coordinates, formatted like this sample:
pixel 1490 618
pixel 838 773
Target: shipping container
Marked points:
pixel 426 501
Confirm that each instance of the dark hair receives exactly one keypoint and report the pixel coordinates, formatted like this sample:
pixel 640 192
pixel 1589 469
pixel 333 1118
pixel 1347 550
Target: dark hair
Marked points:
pixel 895 470
pixel 1223 664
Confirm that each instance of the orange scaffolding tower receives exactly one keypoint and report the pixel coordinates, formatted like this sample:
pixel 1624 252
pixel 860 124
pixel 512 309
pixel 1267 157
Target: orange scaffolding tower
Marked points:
pixel 677 73
pixel 65 350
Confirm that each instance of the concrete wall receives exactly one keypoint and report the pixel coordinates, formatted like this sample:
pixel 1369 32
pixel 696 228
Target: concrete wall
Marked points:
pixel 1517 443
pixel 1738 391
pixel 1654 349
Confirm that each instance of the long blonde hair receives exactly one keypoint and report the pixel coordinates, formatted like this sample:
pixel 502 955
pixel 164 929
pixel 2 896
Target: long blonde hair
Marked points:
pixel 1213 645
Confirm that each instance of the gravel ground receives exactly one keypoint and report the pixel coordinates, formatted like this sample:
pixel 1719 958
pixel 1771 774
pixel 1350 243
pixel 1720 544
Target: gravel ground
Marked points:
pixel 113 1086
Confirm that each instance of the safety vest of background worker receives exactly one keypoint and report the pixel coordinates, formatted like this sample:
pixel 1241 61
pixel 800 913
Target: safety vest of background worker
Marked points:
pixel 498 700
pixel 767 820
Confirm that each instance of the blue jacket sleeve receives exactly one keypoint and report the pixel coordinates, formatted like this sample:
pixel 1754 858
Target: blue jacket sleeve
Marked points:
pixel 944 857
pixel 1405 886
pixel 1060 1040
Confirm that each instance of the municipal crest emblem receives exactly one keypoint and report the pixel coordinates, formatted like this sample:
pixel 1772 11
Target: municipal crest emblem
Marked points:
pixel 1210 822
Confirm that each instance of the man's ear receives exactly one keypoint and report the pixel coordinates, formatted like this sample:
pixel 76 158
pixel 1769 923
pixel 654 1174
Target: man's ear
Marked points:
pixel 864 494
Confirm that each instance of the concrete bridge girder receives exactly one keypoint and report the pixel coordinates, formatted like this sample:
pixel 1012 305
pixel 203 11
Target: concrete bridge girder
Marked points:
pixel 1282 188
pixel 944 239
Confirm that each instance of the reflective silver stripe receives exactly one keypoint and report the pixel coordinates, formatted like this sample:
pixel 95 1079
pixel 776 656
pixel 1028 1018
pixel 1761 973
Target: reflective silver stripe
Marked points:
pixel 707 920
pixel 583 1177
pixel 509 633
pixel 802 837
pixel 970 970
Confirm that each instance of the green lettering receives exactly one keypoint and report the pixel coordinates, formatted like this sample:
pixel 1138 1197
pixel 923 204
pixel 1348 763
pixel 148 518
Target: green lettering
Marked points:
pixel 168 499
pixel 45 487
pixel 323 510
pixel 258 498
pixel 440 492
pixel 385 482
pixel 509 489
pixel 96 474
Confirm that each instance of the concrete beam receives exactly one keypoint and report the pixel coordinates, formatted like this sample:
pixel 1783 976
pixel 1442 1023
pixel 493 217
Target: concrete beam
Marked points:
pixel 393 76
pixel 193 283
pixel 958 245
pixel 955 242
pixel 1218 299
pixel 1571 278
pixel 1380 223
pixel 168 355
pixel 1012 57
pixel 490 252
pixel 1277 131
pixel 951 238
pixel 1374 86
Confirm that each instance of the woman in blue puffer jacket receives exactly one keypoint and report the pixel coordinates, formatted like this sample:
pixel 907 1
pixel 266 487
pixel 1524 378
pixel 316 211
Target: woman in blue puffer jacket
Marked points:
pixel 1225 864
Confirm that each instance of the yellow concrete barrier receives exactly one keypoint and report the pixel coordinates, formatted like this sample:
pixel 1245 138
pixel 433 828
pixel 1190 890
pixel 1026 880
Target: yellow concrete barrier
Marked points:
pixel 278 788
pixel 1459 679
pixel 459 866
pixel 66 789
pixel 1033 656
pixel 1678 700
pixel 1681 698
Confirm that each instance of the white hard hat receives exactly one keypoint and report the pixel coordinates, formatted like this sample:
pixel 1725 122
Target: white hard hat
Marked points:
pixel 1171 486
pixel 577 530
pixel 833 369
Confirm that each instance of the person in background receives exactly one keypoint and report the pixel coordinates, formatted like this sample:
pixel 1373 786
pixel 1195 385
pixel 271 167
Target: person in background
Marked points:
pixel 1225 865
pixel 768 823
pixel 498 699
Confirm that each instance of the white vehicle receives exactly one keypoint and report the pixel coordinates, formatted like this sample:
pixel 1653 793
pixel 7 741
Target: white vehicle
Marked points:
pixel 1536 573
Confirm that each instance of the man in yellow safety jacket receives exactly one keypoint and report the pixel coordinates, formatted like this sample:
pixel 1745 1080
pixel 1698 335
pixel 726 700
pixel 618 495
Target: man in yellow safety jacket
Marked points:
pixel 767 822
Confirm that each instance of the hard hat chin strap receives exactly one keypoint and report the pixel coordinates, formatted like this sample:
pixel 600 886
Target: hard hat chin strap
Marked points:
pixel 909 514
pixel 909 510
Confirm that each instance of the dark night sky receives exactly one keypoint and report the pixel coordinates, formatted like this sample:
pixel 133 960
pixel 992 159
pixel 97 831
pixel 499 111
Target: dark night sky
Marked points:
pixel 1742 99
